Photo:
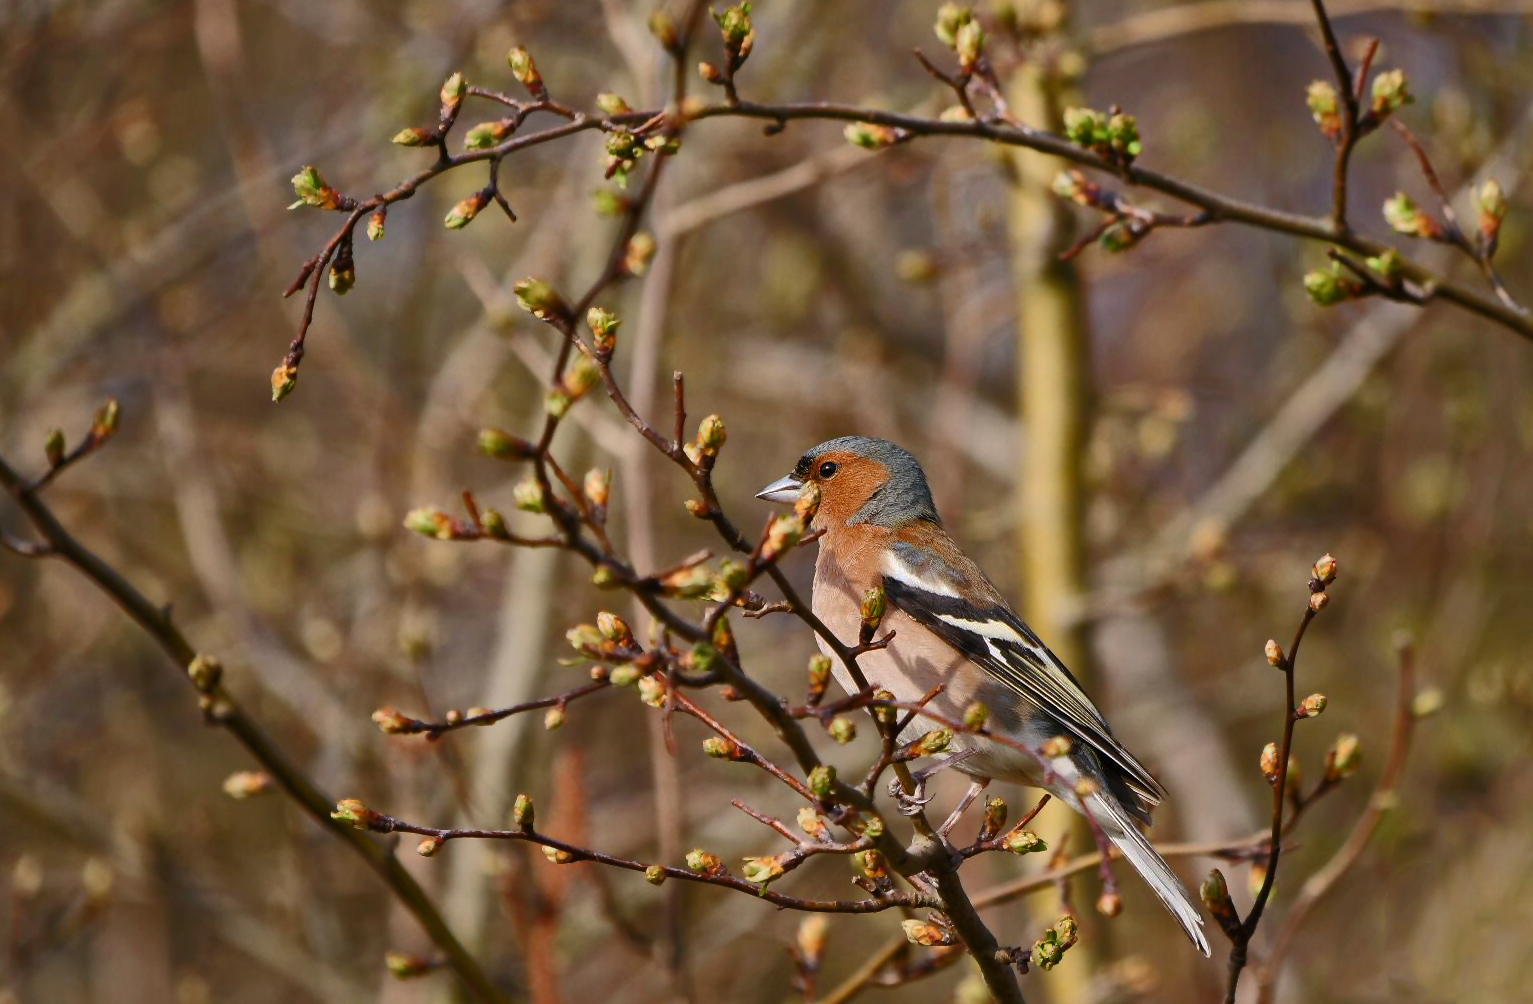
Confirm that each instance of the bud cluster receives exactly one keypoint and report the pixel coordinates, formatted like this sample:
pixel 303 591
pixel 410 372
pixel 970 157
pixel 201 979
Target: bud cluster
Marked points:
pixel 1112 135
pixel 1049 950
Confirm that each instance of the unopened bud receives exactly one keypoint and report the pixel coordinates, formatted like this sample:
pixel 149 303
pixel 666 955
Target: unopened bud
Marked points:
pixel 782 533
pixel 1405 217
pixel 872 864
pixel 869 136
pixel 842 729
pixel 585 637
pixel 1216 897
pixel 624 676
pixel 528 495
pixel 710 73
pixel 283 379
pixel 403 966
pixel 205 672
pixel 655 875
pixel 811 936
pixel 53 447
pixel 352 811
pixel 486 134
pixel 598 487
pixel 994 820
pixel 1312 705
pixel 612 104
pixel 711 435
pixel 375 224
pixel 1056 746
pixel 969 44
pixel 929 744
pixel 583 375
pixel 453 90
pixel 1427 703
pixel 704 863
pixel 526 72
pixel 1109 904
pixel 1274 653
pixel 539 299
pixel 663 28
pixel 553 718
pixel 640 251
pixel 1269 763
pixel 1492 204
pixel 950 18
pixel 762 870
pixel 883 710
pixel 1327 287
pixel 428 847
pixel 652 691
pixel 1325 107
pixel 819 677
pixel 614 628
pixel 104 426
pixel 1343 758
pixel 1391 92
pixel 523 815
pixel 690 583
pixel 874 602
pixel 813 823
pixel 1324 570
pixel 822 781
pixel 312 190
pixel 464 212
pixel 1023 841
pixel 975 716
pixel 1318 601
pixel 603 325
pixel 245 784
pixel 557 855
pixel 926 934
pixel 391 722
pixel 503 446
pixel 429 521
pixel 414 137
pixel 808 503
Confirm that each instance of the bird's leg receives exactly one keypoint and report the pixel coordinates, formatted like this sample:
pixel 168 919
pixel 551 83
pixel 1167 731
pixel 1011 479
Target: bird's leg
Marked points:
pixel 975 787
pixel 912 802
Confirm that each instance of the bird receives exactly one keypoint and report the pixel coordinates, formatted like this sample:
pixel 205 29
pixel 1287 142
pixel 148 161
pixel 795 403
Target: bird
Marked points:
pixel 879 527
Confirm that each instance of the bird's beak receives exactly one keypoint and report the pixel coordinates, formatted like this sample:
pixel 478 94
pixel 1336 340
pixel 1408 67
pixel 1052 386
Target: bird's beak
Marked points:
pixel 782 490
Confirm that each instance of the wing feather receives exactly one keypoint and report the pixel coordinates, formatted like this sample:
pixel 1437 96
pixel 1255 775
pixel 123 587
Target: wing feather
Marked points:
pixel 994 638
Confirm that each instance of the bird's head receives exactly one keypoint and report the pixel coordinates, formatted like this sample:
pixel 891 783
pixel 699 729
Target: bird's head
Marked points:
pixel 861 480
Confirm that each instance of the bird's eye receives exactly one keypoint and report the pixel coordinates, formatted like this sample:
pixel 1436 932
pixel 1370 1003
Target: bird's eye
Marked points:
pixel 828 469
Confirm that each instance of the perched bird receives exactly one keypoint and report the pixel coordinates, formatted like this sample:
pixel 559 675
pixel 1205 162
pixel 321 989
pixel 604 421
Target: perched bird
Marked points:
pixel 951 626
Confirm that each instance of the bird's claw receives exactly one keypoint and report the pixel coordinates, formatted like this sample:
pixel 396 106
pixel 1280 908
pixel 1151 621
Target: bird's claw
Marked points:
pixel 909 803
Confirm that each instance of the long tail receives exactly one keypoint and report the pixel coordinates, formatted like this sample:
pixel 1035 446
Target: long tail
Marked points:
pixel 1120 829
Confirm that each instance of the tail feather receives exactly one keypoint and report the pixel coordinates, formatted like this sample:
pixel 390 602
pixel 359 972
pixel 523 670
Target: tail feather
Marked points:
pixel 1138 852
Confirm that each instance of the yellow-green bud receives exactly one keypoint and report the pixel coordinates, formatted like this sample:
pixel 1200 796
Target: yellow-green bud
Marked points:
pixel 924 933
pixel 869 136
pixel 704 863
pixel 464 212
pixel 813 823
pixel 874 603
pixel 1023 841
pixel 1269 763
pixel 352 811
pixel 283 379
pixel 655 875
pixel 762 870
pixel 842 729
pixel 612 104
pixel 528 495
pixel 523 816
pixel 428 847
pixel 553 718
pixel 429 521
pixel 1312 705
pixel 975 716
pixel 539 299
pixel 1324 570
pixel 1343 758
pixel 243 784
pixel 375 224
pixel 53 447
pixel 414 136
pixel 486 134
pixel 950 18
pixel 969 43
pixel 205 672
pixel 453 90
pixel 1391 91
pixel 711 434
pixel 822 781
pixel 391 722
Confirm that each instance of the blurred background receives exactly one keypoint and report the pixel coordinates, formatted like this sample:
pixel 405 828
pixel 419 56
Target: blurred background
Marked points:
pixel 1145 450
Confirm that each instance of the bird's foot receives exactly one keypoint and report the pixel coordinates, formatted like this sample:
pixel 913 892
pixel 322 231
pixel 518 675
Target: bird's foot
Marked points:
pixel 910 803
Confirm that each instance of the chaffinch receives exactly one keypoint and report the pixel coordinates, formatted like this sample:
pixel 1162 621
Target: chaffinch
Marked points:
pixel 951 626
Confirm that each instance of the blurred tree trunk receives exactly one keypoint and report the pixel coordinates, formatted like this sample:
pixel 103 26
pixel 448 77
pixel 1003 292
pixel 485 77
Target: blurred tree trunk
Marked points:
pixel 1053 383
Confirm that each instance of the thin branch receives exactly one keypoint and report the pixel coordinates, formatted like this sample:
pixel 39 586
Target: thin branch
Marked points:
pixel 221 709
